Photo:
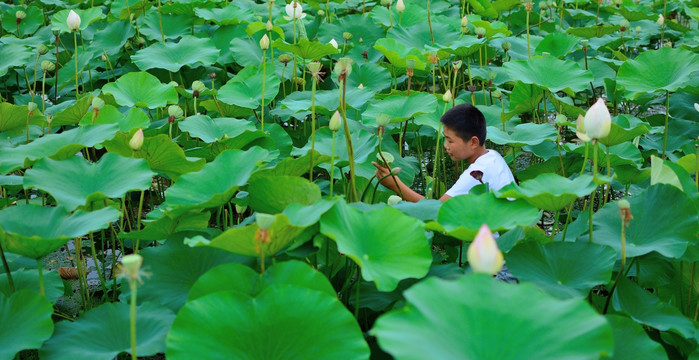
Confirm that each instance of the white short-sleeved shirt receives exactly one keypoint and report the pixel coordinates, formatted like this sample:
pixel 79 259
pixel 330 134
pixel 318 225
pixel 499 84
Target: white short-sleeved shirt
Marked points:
pixel 495 172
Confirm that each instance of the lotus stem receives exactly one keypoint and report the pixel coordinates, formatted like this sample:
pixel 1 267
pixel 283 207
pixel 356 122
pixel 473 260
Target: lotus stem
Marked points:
pixel 264 75
pixel 667 116
pixel 36 63
pixel 133 286
pixel 623 264
pixel 594 178
pixel 40 267
pixel 160 22
pixel 691 287
pixel 138 219
pixel 103 282
pixel 82 275
pixel 313 126
pixel 356 299
pixel 529 51
pixel 7 270
pixel 366 188
pixel 436 157
pixel 332 164
pixel 582 171
pixel 558 146
pixel 599 3
pixel 75 42
pixel 348 139
pixel 429 21
pixel 28 116
pixel 43 93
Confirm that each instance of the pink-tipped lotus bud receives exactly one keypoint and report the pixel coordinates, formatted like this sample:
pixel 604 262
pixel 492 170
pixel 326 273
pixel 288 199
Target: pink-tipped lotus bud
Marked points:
pixel 136 140
pixel 598 121
pixel 580 129
pixel 335 121
pixel 73 21
pixel 483 254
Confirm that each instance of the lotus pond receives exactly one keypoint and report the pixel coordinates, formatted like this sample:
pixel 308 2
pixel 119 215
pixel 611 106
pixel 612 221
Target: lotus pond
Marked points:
pixel 193 179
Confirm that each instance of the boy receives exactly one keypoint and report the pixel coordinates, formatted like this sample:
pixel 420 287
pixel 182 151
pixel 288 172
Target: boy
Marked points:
pixel 464 139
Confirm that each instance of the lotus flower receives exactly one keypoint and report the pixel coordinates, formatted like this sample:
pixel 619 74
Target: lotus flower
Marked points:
pixel 400 6
pixel 661 20
pixel 73 21
pixel 333 43
pixel 598 121
pixel 483 254
pixel 580 129
pixel 447 97
pixel 335 121
pixel 264 42
pixel 294 11
pixel 136 140
pixel 696 106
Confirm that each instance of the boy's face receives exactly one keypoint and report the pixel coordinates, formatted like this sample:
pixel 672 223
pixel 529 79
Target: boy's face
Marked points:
pixel 457 148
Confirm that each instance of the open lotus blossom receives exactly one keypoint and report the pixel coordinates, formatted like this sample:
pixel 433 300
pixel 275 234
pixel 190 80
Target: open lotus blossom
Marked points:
pixel 73 21
pixel 483 254
pixel 598 120
pixel 294 11
pixel 136 140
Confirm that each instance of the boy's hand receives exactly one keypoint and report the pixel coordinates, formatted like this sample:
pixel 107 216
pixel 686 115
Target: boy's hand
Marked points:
pixel 381 173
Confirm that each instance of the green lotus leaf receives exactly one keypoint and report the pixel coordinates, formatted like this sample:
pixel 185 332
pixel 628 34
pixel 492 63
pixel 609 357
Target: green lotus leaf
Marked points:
pixel 558 44
pixel 33 20
pixel 34 312
pixel 113 37
pixel 72 114
pixel 493 28
pixel 361 27
pixel 418 36
pixel 666 69
pixel 55 146
pixel 525 97
pixel 230 15
pixel 498 214
pixel 647 309
pixel 400 108
pixel 242 240
pixel 476 304
pixel 305 49
pixel 363 142
pixel 87 17
pixel 141 89
pixel 387 245
pixel 523 134
pixel 14 55
pixel 246 140
pixel 632 342
pixel 113 176
pixel 173 25
pixel 624 128
pixel 174 268
pixel 592 31
pixel 483 8
pixel 162 154
pixel 29 279
pixel 245 89
pixel 371 76
pixel 397 53
pixel 272 194
pixel 550 73
pixel 647 231
pixel 414 14
pixel 167 225
pixel 190 51
pixel 135 118
pixel 211 130
pixel 103 333
pixel 240 278
pixel 424 210
pixel 550 192
pixel 667 172
pixel 327 101
pixel 623 154
pixel 13 118
pixel 217 181
pixel 257 329
pixel 35 231
pixel 562 269
pixel 466 46
pixel 293 166
pixel 246 51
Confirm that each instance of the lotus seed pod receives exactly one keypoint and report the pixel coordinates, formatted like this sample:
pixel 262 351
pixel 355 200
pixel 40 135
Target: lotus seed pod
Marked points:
pixel 136 140
pixel 285 58
pixel 173 83
pixel 140 41
pixel 301 82
pixel 584 43
pixel 264 42
pixel 638 30
pixel 386 155
pixel 55 31
pixel 528 6
pixel 42 49
pixel 400 6
pixel 393 200
pixel 480 32
pixel 625 211
pixel 73 21
pixel 20 15
pixel 483 254
pixel 433 58
pixel 497 93
pixel 175 111
pixel 386 2
pixel 333 43
pixel 457 64
pixel 97 103
pixel 48 66
pixel 264 221
pixel 410 63
pixel 269 26
pixel 561 119
pixel 198 86
pixel 321 13
pixel 447 97
pixel 240 208
pixel 131 265
pixel 383 119
pixel 543 5
pixel 335 121
pixel 347 36
pixel 31 106
pixel 598 120
pixel 314 67
pixel 343 66
pixel 623 25
pixel 661 20
pixel 464 21
pixel 506 46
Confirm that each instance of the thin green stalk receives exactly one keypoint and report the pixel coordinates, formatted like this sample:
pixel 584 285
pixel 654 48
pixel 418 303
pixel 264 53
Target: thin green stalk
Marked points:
pixel 667 116
pixel 558 146
pixel 623 264
pixel 132 316
pixel 356 299
pixel 93 250
pixel 264 74
pixel 529 51
pixel 138 220
pixel 332 164
pixel 160 22
pixel 313 125
pixel 40 267
pixel 594 177
pixel 555 225
pixel 348 138
pixel 7 270
pixel 36 63
pixel 584 165
pixel 436 157
pixel 75 42
pixel 429 22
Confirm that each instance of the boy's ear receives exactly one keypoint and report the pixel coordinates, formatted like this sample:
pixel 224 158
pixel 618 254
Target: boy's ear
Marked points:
pixel 474 141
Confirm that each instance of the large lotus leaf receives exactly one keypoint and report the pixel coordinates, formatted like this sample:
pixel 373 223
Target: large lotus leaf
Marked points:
pixel 72 113
pixel 240 278
pixel 550 73
pixel 466 46
pixel 104 332
pixel 363 142
pixel 141 89
pixel 361 27
pixel 291 166
pixel 648 231
pixel 400 108
pixel 217 181
pixel 397 53
pixel 29 279
pixel 624 128
pixel 272 194
pixel 484 8
pixel 173 269
pixel 647 309
pixel 469 317
pixel 113 37
pixel 414 13
pixel 462 216
pixel 113 176
pixel 211 130
pixel 236 325
pixel 174 25
pixel 623 154
pixel 371 76
pixel 14 55
pixel 667 69
pixel 229 15
pixel 418 36
pixel 13 118
pixel 35 231
pixel 562 269
pixel 245 89
pixel 592 31
pixel 33 20
pixel 300 215
pixel 525 98
pixel 243 240
pixel 523 134
pixel 246 51
pixel 246 140
pixel 190 51
pixel 305 49
pixel 327 101
pixel 162 154
pixel 387 245
pixel 558 44
pixel 631 341
pixel 168 224
pixel 550 191
pixel 33 312
pixel 87 17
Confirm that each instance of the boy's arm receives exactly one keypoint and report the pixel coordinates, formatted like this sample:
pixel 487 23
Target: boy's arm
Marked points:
pixel 389 182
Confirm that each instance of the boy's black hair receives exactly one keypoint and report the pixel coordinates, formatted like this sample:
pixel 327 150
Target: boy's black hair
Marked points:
pixel 466 121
